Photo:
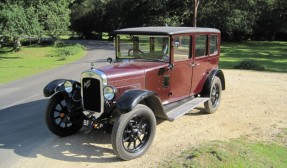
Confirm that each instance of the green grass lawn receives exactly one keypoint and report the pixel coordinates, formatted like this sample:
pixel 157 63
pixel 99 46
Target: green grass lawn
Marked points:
pixel 34 59
pixel 235 153
pixel 271 55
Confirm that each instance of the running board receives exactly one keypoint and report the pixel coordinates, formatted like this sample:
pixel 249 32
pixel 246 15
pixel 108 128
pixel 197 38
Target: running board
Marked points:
pixel 185 108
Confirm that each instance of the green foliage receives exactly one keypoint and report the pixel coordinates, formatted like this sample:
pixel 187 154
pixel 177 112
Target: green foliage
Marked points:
pixel 65 50
pixel 237 20
pixel 12 21
pixel 33 18
pixel 60 43
pixel 236 153
pixel 54 17
pixel 92 17
pixel 272 19
pixel 87 17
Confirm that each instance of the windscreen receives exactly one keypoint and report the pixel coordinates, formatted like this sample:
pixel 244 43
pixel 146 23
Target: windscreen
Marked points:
pixel 143 47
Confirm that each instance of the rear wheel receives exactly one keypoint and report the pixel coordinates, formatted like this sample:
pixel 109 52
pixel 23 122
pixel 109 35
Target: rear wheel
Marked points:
pixel 215 96
pixel 56 119
pixel 133 133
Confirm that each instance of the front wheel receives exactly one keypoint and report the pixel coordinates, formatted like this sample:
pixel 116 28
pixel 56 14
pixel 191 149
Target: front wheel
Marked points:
pixel 215 96
pixel 133 132
pixel 56 119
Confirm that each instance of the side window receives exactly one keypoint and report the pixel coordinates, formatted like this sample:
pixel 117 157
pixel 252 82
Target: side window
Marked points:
pixel 213 45
pixel 201 45
pixel 181 48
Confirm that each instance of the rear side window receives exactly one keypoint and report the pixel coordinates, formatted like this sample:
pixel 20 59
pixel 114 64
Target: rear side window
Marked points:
pixel 201 45
pixel 181 48
pixel 213 45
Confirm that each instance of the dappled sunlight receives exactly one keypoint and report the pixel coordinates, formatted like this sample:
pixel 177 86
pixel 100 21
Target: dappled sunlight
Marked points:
pixel 271 55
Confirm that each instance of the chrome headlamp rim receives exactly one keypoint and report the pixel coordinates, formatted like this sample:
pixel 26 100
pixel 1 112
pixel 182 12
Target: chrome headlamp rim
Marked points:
pixel 109 92
pixel 68 86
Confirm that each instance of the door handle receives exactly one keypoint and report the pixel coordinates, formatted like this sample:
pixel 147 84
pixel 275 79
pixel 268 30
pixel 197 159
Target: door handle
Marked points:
pixel 194 64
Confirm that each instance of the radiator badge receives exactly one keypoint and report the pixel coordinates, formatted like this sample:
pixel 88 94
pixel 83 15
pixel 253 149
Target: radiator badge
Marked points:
pixel 87 84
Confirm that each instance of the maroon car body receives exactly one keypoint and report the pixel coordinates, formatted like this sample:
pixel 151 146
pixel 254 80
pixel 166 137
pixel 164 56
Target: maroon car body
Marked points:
pixel 159 72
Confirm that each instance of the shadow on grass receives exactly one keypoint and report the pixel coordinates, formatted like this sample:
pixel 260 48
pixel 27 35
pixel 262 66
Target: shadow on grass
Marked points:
pixel 269 65
pixel 6 51
pixel 10 58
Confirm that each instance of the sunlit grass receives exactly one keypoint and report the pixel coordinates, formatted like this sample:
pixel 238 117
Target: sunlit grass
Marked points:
pixel 32 60
pixel 236 153
pixel 271 55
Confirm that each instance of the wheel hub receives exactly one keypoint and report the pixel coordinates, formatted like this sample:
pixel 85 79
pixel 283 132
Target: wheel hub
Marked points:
pixel 214 94
pixel 136 134
pixel 62 115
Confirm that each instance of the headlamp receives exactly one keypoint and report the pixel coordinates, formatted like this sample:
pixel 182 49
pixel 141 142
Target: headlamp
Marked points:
pixel 68 86
pixel 109 92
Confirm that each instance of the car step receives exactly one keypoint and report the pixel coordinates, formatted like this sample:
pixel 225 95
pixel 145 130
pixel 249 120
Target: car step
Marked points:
pixel 186 107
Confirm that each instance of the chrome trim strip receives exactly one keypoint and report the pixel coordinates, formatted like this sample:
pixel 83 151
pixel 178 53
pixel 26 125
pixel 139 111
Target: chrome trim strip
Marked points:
pixel 102 77
pixel 94 73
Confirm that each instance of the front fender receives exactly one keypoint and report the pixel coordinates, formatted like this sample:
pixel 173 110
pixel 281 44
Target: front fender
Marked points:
pixel 73 99
pixel 54 87
pixel 131 98
pixel 57 86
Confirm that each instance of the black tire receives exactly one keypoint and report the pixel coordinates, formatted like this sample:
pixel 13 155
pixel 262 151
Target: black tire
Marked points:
pixel 133 133
pixel 55 117
pixel 215 96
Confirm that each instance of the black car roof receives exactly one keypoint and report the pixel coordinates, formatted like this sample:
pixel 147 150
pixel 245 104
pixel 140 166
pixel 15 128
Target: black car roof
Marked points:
pixel 165 30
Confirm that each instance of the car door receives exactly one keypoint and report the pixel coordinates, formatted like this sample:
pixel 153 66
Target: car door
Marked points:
pixel 181 74
pixel 200 62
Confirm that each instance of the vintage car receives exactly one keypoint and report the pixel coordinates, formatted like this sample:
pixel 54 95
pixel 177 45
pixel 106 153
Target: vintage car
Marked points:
pixel 158 73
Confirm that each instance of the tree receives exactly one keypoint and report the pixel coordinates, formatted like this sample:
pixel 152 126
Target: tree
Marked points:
pixel 34 27
pixel 33 18
pixel 87 17
pixel 272 19
pixel 237 20
pixel 54 16
pixel 13 22
pixel 90 17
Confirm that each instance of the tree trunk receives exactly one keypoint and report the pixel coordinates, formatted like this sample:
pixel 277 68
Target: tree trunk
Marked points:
pixel 17 45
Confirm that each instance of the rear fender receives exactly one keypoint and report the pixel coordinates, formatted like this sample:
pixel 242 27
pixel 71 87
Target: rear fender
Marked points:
pixel 208 82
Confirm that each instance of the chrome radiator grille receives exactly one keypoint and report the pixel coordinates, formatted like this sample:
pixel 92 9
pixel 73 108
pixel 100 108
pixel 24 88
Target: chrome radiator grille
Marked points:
pixel 92 94
pixel 93 81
